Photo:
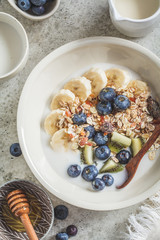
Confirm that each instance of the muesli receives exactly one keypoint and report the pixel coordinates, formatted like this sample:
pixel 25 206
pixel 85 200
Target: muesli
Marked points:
pixel 104 115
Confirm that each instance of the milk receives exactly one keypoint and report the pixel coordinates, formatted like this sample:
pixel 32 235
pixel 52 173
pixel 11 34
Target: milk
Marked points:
pixel 136 9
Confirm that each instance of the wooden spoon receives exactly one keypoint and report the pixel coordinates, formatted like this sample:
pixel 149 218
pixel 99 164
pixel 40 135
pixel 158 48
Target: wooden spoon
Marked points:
pixel 19 205
pixel 132 166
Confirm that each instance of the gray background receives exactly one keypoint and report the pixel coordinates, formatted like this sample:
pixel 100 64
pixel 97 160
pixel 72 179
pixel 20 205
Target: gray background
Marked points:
pixel 73 20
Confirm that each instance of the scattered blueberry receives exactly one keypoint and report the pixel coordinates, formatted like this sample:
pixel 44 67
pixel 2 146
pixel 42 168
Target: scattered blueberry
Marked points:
pixel 80 118
pixel 71 230
pixel 107 94
pixel 100 138
pixel 62 236
pixel 74 170
pixel 102 152
pixel 108 179
pixel 38 2
pixel 91 131
pixel 121 102
pixel 104 108
pixel 38 10
pixel 15 150
pixel 61 212
pixel 24 5
pixel 123 156
pixel 89 173
pixel 98 184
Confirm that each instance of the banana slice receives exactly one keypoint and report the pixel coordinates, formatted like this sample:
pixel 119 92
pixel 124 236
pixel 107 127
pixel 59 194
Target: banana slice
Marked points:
pixel 80 86
pixel 60 140
pixel 138 85
pixel 117 77
pixel 62 97
pixel 98 79
pixel 51 121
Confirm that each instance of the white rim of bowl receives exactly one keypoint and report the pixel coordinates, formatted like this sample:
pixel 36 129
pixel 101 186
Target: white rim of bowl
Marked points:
pixel 32 17
pixel 45 61
pixel 23 61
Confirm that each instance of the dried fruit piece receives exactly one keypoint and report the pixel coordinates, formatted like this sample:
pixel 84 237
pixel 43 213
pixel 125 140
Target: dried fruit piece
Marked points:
pixel 106 127
pixel 153 108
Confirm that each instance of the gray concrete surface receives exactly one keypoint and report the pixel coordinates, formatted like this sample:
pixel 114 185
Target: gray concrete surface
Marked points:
pixel 73 20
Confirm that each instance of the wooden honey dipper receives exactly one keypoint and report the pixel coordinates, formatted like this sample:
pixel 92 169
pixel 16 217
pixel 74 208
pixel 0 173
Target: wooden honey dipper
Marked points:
pixel 19 205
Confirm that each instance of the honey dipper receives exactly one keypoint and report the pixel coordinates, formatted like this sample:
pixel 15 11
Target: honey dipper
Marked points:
pixel 19 205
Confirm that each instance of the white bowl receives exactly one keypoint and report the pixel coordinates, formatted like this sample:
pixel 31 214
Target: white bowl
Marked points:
pixel 14 46
pixel 49 76
pixel 53 6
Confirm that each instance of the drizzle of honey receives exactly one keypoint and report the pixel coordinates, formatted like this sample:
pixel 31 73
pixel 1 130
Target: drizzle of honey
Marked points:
pixel 15 223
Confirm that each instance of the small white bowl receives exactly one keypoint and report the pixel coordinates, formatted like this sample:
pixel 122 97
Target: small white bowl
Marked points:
pixel 14 46
pixel 50 10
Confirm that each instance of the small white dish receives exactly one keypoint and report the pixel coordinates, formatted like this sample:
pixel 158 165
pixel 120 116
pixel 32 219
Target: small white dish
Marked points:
pixel 50 10
pixel 139 26
pixel 49 76
pixel 14 46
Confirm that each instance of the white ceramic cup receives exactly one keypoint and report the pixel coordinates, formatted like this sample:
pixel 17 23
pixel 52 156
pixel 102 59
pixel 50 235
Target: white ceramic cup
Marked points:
pixel 14 46
pixel 133 27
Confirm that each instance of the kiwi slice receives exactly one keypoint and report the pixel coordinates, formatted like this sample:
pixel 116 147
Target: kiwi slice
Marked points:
pixel 115 147
pixel 87 155
pixel 120 139
pixel 136 145
pixel 111 167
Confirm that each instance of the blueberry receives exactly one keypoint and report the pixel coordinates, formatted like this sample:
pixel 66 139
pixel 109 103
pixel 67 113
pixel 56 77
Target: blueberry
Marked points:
pixel 62 236
pixel 123 156
pixel 108 179
pixel 104 108
pixel 91 131
pixel 89 173
pixel 107 94
pixel 74 170
pixel 102 152
pixel 38 10
pixel 98 184
pixel 79 119
pixel 71 230
pixel 61 212
pixel 38 2
pixel 121 102
pixel 24 4
pixel 15 150
pixel 100 138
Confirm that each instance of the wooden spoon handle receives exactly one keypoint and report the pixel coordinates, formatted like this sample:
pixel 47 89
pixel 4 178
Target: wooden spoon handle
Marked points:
pixel 28 227
pixel 136 160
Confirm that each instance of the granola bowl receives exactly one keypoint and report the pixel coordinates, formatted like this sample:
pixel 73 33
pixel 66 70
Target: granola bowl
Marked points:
pixel 50 76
